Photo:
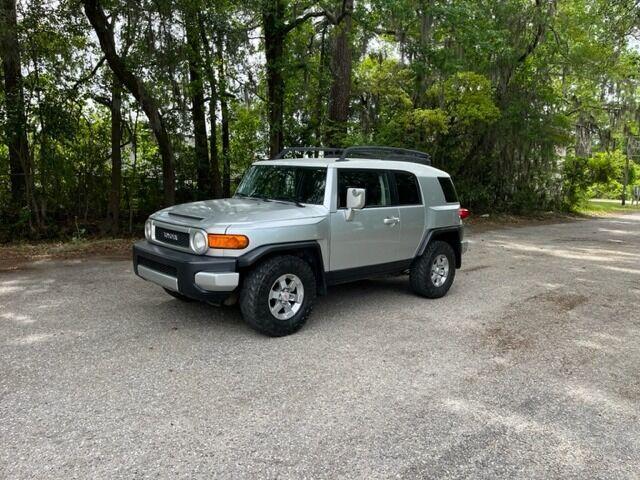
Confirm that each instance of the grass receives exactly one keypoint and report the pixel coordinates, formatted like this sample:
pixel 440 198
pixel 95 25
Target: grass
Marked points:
pixel 599 207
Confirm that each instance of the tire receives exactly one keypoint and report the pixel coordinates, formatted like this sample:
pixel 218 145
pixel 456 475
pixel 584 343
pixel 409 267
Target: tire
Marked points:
pixel 257 301
pixel 422 276
pixel 179 296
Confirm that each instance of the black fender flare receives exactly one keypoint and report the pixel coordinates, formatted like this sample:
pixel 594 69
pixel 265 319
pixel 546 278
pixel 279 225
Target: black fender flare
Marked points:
pixel 311 246
pixel 436 232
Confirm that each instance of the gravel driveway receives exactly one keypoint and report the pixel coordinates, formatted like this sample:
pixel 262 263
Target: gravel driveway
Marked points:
pixel 529 368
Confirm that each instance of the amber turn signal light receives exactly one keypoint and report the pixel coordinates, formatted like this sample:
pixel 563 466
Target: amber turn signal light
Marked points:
pixel 235 242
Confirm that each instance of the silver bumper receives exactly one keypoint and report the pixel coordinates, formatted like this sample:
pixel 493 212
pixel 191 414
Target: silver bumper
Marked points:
pixel 211 282
pixel 217 282
pixel 162 279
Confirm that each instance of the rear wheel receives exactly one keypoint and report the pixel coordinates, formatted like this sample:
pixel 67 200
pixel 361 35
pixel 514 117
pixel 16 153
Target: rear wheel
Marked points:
pixel 178 295
pixel 433 272
pixel 277 296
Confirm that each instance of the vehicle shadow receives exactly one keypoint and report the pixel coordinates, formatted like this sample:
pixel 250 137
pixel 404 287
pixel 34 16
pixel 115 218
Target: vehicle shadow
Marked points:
pixel 345 298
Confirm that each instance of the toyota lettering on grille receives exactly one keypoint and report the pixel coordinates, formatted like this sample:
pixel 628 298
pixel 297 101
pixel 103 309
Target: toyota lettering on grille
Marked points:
pixel 170 236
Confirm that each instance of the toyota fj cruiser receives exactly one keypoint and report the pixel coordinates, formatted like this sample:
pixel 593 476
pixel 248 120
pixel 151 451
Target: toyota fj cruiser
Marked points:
pixel 306 220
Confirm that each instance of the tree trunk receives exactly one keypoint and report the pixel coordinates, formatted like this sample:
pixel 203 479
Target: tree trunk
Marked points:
pixel 216 182
pixel 425 13
pixel 318 111
pixel 16 125
pixel 625 177
pixel 196 91
pixel 224 110
pixel 113 209
pixel 341 82
pixel 274 36
pixel 95 13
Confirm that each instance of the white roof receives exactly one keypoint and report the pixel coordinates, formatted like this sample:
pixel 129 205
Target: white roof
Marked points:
pixel 418 169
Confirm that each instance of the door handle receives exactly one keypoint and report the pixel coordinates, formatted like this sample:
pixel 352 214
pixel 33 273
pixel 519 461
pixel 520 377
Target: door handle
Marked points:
pixel 391 220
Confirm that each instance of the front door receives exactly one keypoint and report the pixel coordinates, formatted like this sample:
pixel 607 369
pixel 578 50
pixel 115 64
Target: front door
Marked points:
pixel 372 237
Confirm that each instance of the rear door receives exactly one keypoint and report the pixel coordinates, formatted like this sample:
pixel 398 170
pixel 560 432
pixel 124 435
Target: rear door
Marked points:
pixel 372 237
pixel 410 203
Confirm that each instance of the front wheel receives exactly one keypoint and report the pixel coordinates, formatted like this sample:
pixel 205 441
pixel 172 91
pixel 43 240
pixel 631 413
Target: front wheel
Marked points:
pixel 433 272
pixel 277 296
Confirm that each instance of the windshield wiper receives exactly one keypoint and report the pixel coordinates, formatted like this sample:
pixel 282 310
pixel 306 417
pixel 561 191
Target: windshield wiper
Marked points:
pixel 288 200
pixel 254 197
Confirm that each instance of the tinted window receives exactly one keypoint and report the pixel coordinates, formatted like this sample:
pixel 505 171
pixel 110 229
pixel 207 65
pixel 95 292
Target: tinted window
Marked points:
pixel 375 182
pixel 276 182
pixel 448 189
pixel 408 189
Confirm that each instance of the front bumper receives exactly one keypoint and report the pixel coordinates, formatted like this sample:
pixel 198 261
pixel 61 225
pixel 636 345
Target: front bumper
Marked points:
pixel 208 279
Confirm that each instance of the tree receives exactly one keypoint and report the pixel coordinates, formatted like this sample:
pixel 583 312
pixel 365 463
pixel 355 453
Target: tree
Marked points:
pixel 341 60
pixel 224 109
pixel 276 29
pixel 16 124
pixel 95 13
pixel 196 90
pixel 115 189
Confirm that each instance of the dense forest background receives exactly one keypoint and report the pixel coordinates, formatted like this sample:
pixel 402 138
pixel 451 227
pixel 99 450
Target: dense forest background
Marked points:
pixel 110 109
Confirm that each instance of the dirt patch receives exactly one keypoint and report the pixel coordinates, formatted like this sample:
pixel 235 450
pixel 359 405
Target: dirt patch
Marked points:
pixel 17 256
pixel 564 302
pixel 482 224
pixel 476 268
pixel 506 340
pixel 512 333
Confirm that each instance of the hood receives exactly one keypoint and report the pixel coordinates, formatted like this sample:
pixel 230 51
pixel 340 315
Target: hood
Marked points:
pixel 234 211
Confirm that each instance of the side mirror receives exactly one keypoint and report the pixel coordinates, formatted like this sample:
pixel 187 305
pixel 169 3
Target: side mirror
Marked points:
pixel 355 201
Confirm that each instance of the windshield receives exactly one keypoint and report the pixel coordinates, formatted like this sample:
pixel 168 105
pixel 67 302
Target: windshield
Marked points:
pixel 280 182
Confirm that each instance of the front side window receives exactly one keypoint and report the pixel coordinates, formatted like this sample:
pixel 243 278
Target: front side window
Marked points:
pixel 281 182
pixel 375 182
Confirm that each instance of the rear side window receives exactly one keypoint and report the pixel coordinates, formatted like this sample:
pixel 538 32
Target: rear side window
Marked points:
pixel 448 189
pixel 376 183
pixel 408 189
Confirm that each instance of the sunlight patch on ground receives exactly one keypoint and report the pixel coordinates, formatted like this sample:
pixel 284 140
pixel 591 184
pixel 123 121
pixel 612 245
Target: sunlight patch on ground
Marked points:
pixel 593 396
pixel 561 444
pixel 31 339
pixel 14 317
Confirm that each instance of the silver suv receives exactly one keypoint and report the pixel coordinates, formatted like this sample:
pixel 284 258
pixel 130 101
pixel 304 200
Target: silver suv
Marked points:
pixel 306 220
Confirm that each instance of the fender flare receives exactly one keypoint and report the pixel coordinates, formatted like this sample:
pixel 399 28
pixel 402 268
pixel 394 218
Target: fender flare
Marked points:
pixel 252 257
pixel 435 232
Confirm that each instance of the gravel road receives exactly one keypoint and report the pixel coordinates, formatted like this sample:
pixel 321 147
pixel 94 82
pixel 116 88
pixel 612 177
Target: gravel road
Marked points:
pixel 529 368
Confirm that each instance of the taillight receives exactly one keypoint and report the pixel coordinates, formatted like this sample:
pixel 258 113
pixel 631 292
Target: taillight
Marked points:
pixel 464 213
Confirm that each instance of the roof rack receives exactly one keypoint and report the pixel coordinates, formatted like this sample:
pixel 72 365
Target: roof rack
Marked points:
pixel 369 152
pixel 316 152
pixel 385 153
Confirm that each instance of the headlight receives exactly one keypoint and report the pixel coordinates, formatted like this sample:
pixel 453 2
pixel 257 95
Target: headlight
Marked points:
pixel 199 242
pixel 147 229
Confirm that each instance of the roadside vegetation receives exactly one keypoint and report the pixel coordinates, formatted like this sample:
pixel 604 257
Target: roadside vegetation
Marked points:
pixel 110 110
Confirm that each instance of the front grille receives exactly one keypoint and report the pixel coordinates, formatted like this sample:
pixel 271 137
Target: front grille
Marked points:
pixel 157 266
pixel 172 237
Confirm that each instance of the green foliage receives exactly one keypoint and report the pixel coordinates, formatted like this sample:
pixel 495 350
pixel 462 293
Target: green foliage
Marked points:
pixel 607 171
pixel 575 181
pixel 469 100
pixel 506 95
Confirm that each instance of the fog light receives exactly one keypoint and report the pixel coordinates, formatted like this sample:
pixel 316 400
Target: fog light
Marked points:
pixel 147 229
pixel 199 242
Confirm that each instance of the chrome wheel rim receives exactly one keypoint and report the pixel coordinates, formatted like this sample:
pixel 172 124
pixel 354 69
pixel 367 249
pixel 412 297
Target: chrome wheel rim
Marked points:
pixel 439 270
pixel 286 296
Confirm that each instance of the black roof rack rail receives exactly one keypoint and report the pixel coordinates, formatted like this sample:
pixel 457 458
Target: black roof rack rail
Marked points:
pixel 369 152
pixel 316 152
pixel 373 152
